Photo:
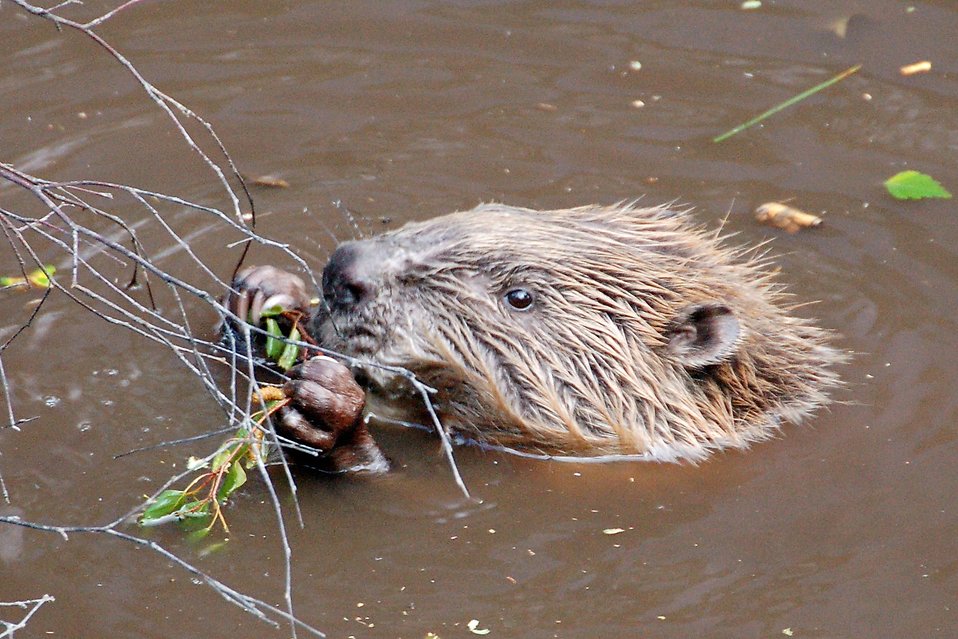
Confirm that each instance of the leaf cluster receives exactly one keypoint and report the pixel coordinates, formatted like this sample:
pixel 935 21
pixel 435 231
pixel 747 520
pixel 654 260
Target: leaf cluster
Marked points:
pixel 203 498
pixel 278 346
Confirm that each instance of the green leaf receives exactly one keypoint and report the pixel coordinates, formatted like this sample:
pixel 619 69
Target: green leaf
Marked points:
pixel 195 509
pixel 226 453
pixel 274 343
pixel 290 353
pixel 912 185
pixel 234 478
pixel 41 277
pixel 38 278
pixel 166 503
pixel 272 311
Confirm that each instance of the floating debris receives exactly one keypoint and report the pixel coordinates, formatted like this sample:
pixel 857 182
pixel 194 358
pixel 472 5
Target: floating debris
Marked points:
pixel 923 66
pixel 786 217
pixel 787 103
pixel 474 628
pixel 271 182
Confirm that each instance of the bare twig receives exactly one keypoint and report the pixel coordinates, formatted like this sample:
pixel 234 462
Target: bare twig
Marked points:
pixel 60 227
pixel 162 100
pixel 7 628
pixel 77 224
pixel 256 607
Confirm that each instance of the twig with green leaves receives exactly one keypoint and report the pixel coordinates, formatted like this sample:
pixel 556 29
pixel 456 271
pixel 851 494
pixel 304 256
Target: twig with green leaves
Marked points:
pixel 91 248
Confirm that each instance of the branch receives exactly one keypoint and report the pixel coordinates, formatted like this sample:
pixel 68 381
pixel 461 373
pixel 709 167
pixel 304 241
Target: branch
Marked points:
pixel 256 607
pixel 30 605
pixel 81 223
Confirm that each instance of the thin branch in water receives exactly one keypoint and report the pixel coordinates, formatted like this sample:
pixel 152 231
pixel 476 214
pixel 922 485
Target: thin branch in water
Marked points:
pixel 60 226
pixel 30 605
pixel 13 245
pixel 106 16
pixel 423 391
pixel 162 100
pixel 177 442
pixel 11 417
pixel 257 607
pixel 73 223
pixel 26 325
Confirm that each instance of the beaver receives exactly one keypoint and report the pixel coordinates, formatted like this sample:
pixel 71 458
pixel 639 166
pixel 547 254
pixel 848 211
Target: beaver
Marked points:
pixel 583 331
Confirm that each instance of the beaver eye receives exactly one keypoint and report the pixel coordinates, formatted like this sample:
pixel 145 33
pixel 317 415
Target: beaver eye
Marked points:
pixel 519 298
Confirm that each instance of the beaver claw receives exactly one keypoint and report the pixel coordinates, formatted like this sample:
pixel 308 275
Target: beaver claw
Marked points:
pixel 325 411
pixel 261 287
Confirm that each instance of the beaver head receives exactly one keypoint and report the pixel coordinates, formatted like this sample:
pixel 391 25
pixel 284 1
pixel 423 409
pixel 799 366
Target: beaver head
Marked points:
pixel 587 330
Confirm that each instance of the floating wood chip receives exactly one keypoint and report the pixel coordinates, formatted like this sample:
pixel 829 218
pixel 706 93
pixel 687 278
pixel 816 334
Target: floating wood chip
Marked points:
pixel 785 217
pixel 271 181
pixel 917 67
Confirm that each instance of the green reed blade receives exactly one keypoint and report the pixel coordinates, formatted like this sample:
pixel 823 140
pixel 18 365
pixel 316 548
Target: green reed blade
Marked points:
pixel 787 103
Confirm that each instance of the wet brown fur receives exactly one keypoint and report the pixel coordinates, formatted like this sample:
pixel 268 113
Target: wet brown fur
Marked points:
pixel 589 368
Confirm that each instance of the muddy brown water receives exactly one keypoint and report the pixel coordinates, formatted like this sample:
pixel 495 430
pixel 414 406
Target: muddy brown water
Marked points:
pixel 846 527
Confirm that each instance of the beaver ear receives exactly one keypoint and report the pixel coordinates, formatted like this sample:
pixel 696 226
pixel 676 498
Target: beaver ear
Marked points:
pixel 703 334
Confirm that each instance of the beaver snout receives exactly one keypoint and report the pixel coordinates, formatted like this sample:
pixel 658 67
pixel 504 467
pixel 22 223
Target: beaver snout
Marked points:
pixel 349 279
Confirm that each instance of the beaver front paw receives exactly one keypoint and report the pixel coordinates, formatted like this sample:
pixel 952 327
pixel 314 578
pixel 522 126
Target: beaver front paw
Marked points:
pixel 326 412
pixel 258 288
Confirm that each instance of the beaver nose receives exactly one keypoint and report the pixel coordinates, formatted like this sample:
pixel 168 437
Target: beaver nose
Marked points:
pixel 348 279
